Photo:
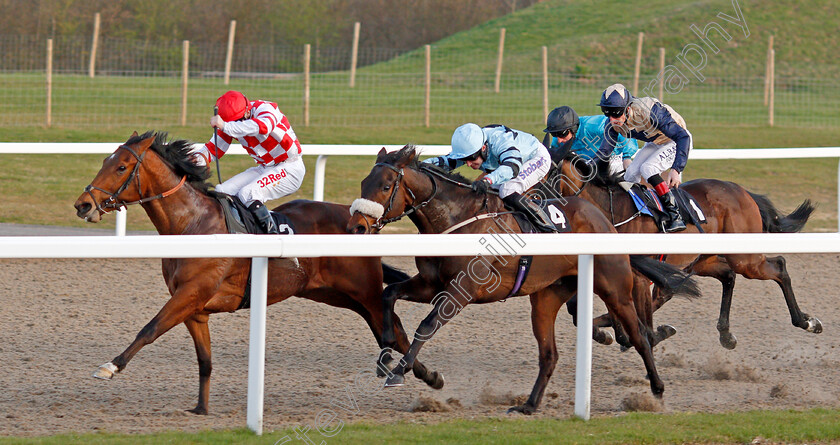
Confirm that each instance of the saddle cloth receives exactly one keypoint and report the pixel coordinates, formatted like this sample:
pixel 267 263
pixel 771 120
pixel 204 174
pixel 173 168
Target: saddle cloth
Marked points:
pixel 552 208
pixel 648 203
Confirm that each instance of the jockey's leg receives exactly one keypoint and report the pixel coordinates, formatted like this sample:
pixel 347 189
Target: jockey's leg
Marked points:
pixel 669 203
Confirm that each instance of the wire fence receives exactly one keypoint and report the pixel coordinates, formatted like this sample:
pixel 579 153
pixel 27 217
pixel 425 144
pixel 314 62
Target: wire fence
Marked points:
pixel 139 83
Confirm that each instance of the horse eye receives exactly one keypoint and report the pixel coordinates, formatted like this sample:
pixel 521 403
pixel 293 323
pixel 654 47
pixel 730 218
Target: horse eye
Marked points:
pixel 121 168
pixel 386 188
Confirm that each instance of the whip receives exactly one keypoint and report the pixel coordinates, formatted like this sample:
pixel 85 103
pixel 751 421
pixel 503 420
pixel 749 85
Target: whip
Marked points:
pixel 216 144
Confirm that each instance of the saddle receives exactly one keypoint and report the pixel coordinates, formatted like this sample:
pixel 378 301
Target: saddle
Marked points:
pixel 239 219
pixel 648 203
pixel 551 208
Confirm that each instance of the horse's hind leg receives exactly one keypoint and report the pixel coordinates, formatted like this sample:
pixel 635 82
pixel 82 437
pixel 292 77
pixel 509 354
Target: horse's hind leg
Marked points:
pixel 544 307
pixel 615 291
pixel 604 321
pixel 200 332
pixel 761 268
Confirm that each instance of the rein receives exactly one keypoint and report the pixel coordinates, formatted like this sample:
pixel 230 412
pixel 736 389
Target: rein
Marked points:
pixel 380 222
pixel 112 203
pixel 409 209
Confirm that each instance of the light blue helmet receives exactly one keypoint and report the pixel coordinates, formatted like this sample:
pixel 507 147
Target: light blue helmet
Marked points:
pixel 466 141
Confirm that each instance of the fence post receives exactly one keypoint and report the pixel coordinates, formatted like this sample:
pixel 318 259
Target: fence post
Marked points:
pixel 661 73
pixel 256 344
pixel 772 85
pixel 767 72
pixel 638 63
pixel 306 51
pixel 428 84
pixel 185 74
pixel 545 80
pixel 354 56
pixel 49 80
pixel 501 56
pixel 93 46
pixel 583 361
pixel 229 56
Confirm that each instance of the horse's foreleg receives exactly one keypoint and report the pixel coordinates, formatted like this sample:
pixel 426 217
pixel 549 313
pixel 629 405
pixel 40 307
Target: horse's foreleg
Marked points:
pixel 544 307
pixel 200 332
pixel 447 306
pixel 175 311
pixel 598 334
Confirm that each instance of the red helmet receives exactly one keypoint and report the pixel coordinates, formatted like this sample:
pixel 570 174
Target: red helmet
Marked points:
pixel 232 106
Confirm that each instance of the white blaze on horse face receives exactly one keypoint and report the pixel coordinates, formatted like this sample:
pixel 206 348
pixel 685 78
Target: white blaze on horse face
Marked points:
pixel 113 155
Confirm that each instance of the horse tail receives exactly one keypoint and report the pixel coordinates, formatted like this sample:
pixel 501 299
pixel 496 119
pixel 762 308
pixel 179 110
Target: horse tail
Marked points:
pixel 391 275
pixel 774 222
pixel 666 277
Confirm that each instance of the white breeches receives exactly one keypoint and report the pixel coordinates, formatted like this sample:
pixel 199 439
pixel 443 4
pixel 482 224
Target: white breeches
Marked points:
pixel 530 174
pixel 265 183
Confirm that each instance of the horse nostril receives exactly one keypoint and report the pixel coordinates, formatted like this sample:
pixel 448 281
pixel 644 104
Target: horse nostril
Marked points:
pixel 83 209
pixel 358 230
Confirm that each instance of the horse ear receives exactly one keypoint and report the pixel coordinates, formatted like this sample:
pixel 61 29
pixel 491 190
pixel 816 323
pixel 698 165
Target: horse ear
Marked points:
pixel 134 134
pixel 381 153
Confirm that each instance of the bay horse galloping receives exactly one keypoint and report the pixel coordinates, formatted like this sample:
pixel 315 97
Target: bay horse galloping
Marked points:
pixel 171 188
pixel 438 201
pixel 728 208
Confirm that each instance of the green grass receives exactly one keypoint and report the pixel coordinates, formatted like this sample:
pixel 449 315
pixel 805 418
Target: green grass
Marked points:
pixel 817 425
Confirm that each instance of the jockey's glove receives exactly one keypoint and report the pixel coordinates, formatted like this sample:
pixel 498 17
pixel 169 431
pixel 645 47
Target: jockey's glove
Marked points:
pixel 480 186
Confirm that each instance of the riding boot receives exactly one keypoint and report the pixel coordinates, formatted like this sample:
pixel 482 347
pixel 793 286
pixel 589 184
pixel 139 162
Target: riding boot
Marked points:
pixel 534 213
pixel 669 203
pixel 263 216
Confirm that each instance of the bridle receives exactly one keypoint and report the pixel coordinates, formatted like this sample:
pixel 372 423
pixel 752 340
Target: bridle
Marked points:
pixel 409 208
pixel 113 203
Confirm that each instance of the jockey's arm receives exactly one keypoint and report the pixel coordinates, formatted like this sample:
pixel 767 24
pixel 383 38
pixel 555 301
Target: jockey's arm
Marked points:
pixel 670 128
pixel 445 162
pixel 510 162
pixel 607 143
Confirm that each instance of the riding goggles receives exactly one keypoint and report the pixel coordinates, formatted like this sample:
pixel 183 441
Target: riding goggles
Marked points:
pixel 561 134
pixel 612 111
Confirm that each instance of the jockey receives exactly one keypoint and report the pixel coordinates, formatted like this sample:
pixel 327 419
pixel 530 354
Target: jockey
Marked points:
pixel 584 134
pixel 667 143
pixel 265 133
pixel 513 160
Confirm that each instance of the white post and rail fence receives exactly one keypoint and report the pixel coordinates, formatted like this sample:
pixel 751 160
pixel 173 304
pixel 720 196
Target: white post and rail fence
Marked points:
pixel 262 247
pixel 325 151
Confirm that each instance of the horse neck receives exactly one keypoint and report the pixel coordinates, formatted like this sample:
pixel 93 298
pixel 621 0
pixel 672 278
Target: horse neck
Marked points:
pixel 450 205
pixel 612 206
pixel 186 211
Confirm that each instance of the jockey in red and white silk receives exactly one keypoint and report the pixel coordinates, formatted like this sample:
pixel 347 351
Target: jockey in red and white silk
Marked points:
pixel 266 134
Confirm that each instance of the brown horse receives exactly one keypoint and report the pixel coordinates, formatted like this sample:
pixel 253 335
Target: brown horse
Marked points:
pixel 172 190
pixel 435 200
pixel 728 208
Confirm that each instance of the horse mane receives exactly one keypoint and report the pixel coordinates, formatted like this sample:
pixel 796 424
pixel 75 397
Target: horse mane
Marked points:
pixel 600 180
pixel 394 157
pixel 178 154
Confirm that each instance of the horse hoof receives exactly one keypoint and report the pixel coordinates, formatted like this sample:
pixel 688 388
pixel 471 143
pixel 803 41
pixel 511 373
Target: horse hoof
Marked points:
pixel 106 371
pixel 198 410
pixel 522 409
pixel 438 382
pixel 395 380
pixel 603 337
pixel 728 340
pixel 665 331
pixel 814 325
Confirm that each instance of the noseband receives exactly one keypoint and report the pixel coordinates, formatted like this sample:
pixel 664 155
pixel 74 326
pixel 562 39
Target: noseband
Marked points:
pixel 112 202
pixel 382 221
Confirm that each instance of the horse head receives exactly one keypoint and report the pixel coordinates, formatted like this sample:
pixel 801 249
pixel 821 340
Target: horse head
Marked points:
pixel 143 169
pixel 399 185
pixel 384 195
